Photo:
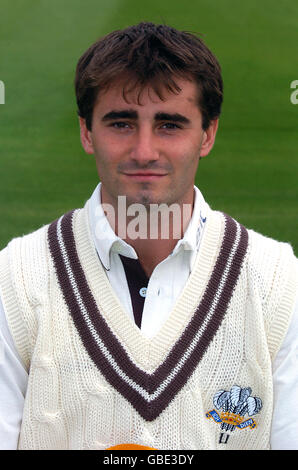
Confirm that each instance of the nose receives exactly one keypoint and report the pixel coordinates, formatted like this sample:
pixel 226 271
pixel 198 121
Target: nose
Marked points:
pixel 144 149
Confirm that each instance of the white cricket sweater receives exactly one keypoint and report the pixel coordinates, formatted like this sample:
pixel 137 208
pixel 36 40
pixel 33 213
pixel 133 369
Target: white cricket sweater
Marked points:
pixel 204 381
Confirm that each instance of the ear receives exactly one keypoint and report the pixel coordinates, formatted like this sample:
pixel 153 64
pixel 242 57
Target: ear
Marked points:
pixel 85 137
pixel 209 138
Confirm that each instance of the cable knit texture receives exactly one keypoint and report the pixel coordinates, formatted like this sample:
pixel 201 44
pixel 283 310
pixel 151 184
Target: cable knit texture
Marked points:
pixel 95 381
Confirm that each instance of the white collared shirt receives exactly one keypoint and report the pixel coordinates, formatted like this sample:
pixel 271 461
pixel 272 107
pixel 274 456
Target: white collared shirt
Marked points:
pixel 164 287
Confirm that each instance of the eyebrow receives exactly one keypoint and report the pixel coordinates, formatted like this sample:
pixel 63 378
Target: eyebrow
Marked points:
pixel 132 114
pixel 125 114
pixel 176 117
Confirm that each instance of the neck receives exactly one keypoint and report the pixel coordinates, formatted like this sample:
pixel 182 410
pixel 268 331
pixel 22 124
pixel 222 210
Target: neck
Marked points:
pixel 153 231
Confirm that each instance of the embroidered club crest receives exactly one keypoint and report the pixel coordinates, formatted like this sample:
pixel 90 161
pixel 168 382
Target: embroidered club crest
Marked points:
pixel 235 404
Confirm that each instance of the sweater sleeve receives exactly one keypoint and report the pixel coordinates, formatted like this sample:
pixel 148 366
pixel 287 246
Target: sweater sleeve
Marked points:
pixel 23 287
pixel 274 281
pixel 284 432
pixel 285 283
pixel 13 386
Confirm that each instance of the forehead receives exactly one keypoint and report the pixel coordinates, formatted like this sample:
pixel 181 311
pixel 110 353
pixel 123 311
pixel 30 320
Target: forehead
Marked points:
pixel 119 95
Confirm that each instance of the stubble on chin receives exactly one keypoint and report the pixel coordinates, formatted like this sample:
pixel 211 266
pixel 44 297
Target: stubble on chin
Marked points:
pixel 148 198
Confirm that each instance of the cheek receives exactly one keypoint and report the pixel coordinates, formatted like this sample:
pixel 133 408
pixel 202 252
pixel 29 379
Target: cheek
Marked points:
pixel 185 157
pixel 106 155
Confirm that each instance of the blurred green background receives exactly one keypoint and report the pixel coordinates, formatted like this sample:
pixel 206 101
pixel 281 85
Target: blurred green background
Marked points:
pixel 250 174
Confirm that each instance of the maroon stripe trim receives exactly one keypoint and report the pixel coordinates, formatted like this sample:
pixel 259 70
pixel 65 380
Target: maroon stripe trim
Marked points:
pixel 149 383
pixel 150 410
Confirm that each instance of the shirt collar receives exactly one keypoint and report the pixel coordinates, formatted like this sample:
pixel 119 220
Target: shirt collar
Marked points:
pixel 104 237
pixel 106 241
pixel 193 231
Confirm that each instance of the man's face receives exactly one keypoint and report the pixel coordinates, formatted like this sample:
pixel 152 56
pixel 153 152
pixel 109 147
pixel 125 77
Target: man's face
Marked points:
pixel 149 151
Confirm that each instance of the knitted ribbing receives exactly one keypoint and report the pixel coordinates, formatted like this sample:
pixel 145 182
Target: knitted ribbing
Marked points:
pixel 23 287
pixel 71 404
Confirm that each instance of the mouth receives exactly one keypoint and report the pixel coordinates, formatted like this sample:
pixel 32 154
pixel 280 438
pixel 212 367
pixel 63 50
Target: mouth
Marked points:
pixel 144 176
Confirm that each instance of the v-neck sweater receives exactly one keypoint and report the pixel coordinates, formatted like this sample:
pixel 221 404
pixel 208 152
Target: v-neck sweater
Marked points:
pixel 96 381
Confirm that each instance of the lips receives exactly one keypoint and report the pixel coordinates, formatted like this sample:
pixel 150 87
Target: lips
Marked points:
pixel 144 176
pixel 145 173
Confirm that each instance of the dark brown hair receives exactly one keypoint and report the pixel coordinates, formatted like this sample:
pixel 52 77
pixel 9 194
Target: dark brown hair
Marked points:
pixel 149 54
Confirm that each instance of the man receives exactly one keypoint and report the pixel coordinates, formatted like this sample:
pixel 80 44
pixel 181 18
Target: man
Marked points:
pixel 115 333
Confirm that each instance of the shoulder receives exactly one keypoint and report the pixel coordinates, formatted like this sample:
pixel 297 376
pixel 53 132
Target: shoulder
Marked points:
pixel 262 253
pixel 36 239
pixel 272 282
pixel 269 256
pixel 26 259
pixel 25 248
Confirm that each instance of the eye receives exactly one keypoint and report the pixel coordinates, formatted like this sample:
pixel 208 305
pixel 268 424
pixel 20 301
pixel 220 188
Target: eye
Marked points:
pixel 120 125
pixel 170 126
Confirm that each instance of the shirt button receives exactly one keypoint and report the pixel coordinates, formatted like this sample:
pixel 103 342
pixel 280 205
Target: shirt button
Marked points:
pixel 143 291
